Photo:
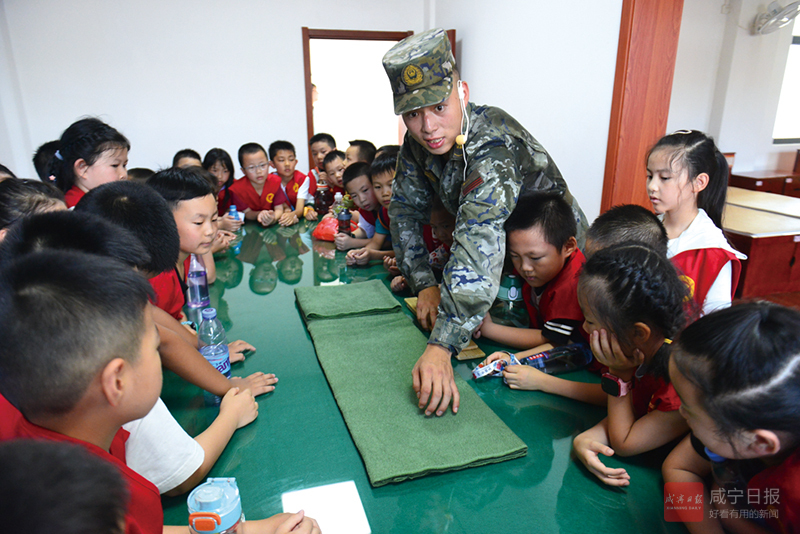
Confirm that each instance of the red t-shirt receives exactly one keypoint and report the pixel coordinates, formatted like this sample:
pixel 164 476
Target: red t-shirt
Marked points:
pixel 73 196
pixel 783 482
pixel 368 216
pixel 223 205
pixel 271 195
pixel 144 514
pixel 293 187
pixel 651 393
pixel 169 293
pixel 559 299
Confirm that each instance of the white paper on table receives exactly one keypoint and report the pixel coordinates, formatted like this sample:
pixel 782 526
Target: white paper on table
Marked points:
pixel 336 507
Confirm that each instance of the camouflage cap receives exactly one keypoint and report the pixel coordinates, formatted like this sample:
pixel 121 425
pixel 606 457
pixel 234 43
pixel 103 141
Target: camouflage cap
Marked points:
pixel 420 68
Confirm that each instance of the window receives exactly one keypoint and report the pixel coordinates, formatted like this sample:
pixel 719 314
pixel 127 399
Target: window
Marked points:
pixel 787 120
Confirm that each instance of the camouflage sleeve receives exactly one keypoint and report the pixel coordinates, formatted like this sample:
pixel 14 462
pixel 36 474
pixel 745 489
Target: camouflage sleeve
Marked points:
pixel 472 275
pixel 408 212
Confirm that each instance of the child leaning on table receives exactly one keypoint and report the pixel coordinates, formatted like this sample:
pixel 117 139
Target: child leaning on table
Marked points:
pixel 357 183
pixel 142 211
pixel 158 448
pixel 737 372
pixel 108 372
pixel 381 176
pixel 540 233
pixel 633 301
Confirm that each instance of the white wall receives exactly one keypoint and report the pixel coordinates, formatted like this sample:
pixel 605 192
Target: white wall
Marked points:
pixel 169 75
pixel 549 67
pixel 727 82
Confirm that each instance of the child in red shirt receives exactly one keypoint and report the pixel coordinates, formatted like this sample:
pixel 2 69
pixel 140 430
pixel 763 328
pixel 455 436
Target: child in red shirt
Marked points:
pixel 737 372
pixel 334 170
pixel 294 184
pixel 219 163
pixel 320 144
pixel 261 196
pixel 90 153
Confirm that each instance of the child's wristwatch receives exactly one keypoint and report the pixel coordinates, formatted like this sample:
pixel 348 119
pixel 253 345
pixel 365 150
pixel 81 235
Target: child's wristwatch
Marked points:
pixel 615 386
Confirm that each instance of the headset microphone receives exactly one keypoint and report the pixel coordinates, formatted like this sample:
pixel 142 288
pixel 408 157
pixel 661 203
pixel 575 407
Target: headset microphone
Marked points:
pixel 461 139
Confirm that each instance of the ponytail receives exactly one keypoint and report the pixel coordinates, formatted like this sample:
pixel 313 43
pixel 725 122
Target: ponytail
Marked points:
pixel 696 152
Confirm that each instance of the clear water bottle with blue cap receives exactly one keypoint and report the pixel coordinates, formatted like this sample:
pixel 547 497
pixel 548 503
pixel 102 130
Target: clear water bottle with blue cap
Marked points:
pixel 509 308
pixel 196 284
pixel 561 359
pixel 236 244
pixel 213 345
pixel 215 507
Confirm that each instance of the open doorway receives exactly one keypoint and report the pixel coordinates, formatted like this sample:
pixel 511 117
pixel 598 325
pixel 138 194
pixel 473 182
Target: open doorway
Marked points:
pixel 347 92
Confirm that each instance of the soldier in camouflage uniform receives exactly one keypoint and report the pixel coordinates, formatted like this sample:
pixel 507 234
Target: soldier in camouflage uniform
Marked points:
pixel 478 179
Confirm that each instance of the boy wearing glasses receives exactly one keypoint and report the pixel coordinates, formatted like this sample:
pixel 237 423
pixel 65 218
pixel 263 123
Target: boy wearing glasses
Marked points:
pixel 261 193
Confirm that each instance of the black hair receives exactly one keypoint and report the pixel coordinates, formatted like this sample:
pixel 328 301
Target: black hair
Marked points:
pixel 549 211
pixel 177 185
pixel 366 150
pixel 140 174
pixel 355 170
pixel 185 153
pixel 628 222
pixel 86 139
pixel 249 148
pixel 385 160
pixel 43 157
pixel 218 155
pixel 87 309
pixel 6 170
pixel 70 230
pixel 48 486
pixel 745 361
pixel 141 210
pixel 275 146
pixel 696 152
pixel 332 156
pixel 288 273
pixel 19 198
pixel 324 138
pixel 629 283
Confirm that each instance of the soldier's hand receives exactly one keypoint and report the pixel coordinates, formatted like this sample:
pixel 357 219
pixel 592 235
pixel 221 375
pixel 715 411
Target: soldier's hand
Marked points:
pixel 428 306
pixel 433 381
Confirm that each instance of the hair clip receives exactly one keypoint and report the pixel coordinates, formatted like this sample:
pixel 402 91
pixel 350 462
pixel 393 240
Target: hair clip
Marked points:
pixel 668 341
pixel 681 132
pixel 58 155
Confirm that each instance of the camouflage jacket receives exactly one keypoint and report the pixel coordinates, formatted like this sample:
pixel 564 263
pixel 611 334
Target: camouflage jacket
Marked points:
pixel 502 160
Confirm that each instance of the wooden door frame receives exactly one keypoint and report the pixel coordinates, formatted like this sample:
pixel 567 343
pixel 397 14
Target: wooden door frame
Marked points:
pixel 351 35
pixel 648 44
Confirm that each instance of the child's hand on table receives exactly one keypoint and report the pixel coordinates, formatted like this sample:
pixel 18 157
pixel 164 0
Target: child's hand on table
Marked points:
pixel 391 265
pixel 259 383
pixel 358 256
pixel 343 241
pixel 310 214
pixel 398 283
pixel 588 451
pixel 524 377
pixel 237 350
pixel 484 328
pixel 226 222
pixel 221 241
pixel 298 524
pixel 240 405
pixel 493 357
pixel 288 218
pixel 266 217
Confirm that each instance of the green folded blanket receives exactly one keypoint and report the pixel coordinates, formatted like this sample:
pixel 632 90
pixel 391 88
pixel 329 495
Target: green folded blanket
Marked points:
pixel 370 375
pixel 328 302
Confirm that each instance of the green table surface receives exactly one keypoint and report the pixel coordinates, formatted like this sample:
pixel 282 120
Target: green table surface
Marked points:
pixel 300 440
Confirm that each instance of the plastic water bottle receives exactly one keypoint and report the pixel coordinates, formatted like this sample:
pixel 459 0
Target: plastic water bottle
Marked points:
pixel 509 308
pixel 323 199
pixel 338 204
pixel 197 284
pixel 215 507
pixel 214 347
pixel 236 244
pixel 561 359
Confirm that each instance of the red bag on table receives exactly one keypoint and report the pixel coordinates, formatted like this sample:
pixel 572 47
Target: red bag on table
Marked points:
pixel 327 229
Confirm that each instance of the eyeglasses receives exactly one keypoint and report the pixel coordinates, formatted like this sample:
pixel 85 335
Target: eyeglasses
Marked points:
pixel 254 168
